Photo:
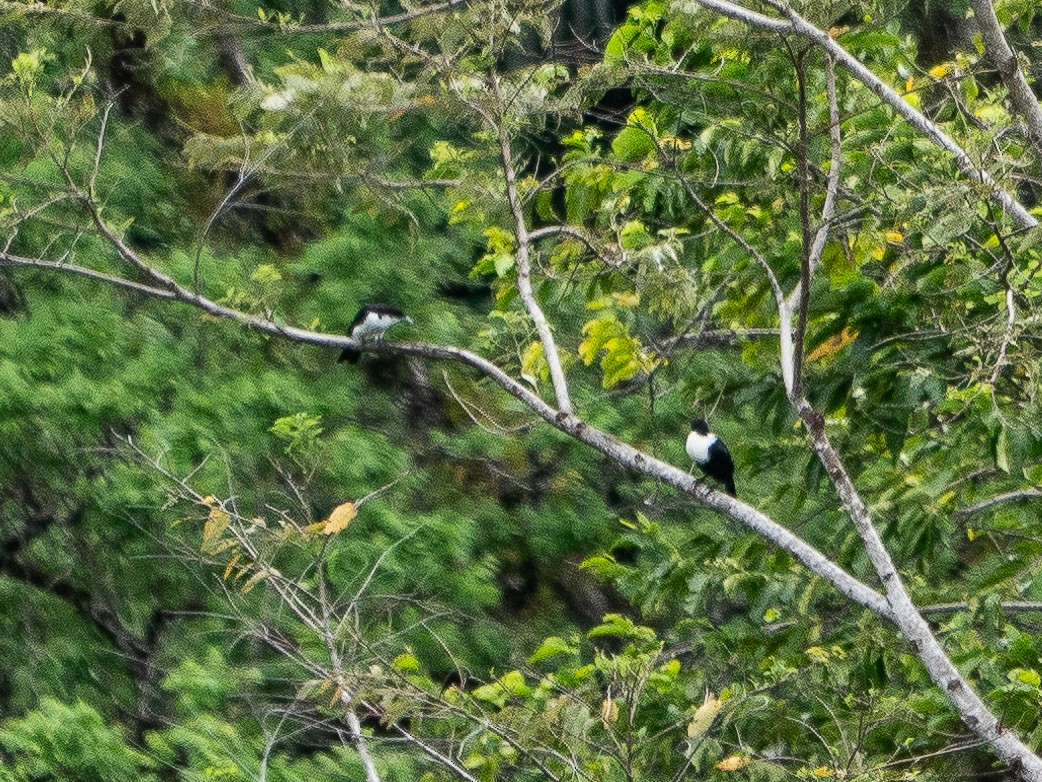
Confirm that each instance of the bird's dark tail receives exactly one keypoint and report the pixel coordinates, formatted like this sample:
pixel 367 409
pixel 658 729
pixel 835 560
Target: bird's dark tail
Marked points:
pixel 350 355
pixel 731 489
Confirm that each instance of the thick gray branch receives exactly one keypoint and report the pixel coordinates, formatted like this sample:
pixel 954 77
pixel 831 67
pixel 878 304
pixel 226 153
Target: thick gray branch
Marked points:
pixel 974 712
pixel 619 452
pixel 1005 61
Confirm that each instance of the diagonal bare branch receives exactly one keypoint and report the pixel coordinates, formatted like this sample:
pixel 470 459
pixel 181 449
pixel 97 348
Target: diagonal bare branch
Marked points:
pixel 798 25
pixel 523 263
pixel 623 454
pixel 1012 496
pixel 1005 62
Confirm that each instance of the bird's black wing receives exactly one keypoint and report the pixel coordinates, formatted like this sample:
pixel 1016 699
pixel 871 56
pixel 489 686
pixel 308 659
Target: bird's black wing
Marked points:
pixel 721 466
pixel 385 309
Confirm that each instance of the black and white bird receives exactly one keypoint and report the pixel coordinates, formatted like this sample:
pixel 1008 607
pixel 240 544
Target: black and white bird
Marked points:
pixel 370 324
pixel 711 455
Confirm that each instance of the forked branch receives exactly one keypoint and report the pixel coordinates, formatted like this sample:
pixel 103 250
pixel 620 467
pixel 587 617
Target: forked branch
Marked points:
pixel 523 261
pixel 794 23
pixel 1005 62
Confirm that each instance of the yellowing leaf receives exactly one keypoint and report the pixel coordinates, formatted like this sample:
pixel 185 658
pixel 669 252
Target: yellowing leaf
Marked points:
pixel 833 344
pixel 406 662
pixel 910 84
pixel 675 143
pixel 341 516
pixel 609 711
pixel 704 716
pixel 895 236
pixel 533 363
pixel 231 564
pixel 266 273
pixel 1028 676
pixel 970 534
pixel 255 579
pixel 216 523
pixel 622 354
pixel 733 763
pixel 627 299
pixel 821 772
pixel 817 654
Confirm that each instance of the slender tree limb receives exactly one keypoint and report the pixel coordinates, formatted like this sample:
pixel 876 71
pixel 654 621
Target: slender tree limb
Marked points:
pixel 9 259
pixel 46 9
pixel 438 757
pixel 1005 61
pixel 1010 607
pixel 800 26
pixel 361 745
pixel 722 336
pixel 735 11
pixel 785 345
pixel 523 263
pixel 801 293
pixel 814 248
pixel 559 230
pixel 1013 496
pixel 333 27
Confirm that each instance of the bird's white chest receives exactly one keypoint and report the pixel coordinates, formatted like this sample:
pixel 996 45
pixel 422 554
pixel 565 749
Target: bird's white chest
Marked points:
pixel 698 446
pixel 373 325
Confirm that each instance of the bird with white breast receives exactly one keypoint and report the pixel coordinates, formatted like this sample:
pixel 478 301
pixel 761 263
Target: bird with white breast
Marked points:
pixel 370 325
pixel 711 455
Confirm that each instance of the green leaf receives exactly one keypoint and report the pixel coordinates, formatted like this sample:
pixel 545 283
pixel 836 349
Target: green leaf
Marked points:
pixel 406 662
pixel 1027 676
pixel 621 356
pixel 1002 451
pixel 503 263
pixel 552 646
pixel 633 144
pixel 604 566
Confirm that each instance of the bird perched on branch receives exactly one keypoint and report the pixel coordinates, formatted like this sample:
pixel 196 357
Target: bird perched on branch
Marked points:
pixel 711 455
pixel 370 325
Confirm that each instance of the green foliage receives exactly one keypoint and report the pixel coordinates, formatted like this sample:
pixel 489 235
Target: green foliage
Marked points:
pixel 175 487
pixel 60 741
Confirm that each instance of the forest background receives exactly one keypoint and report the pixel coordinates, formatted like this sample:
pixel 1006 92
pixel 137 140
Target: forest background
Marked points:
pixel 478 554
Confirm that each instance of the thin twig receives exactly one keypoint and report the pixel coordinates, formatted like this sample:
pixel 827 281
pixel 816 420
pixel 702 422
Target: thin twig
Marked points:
pixel 1013 496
